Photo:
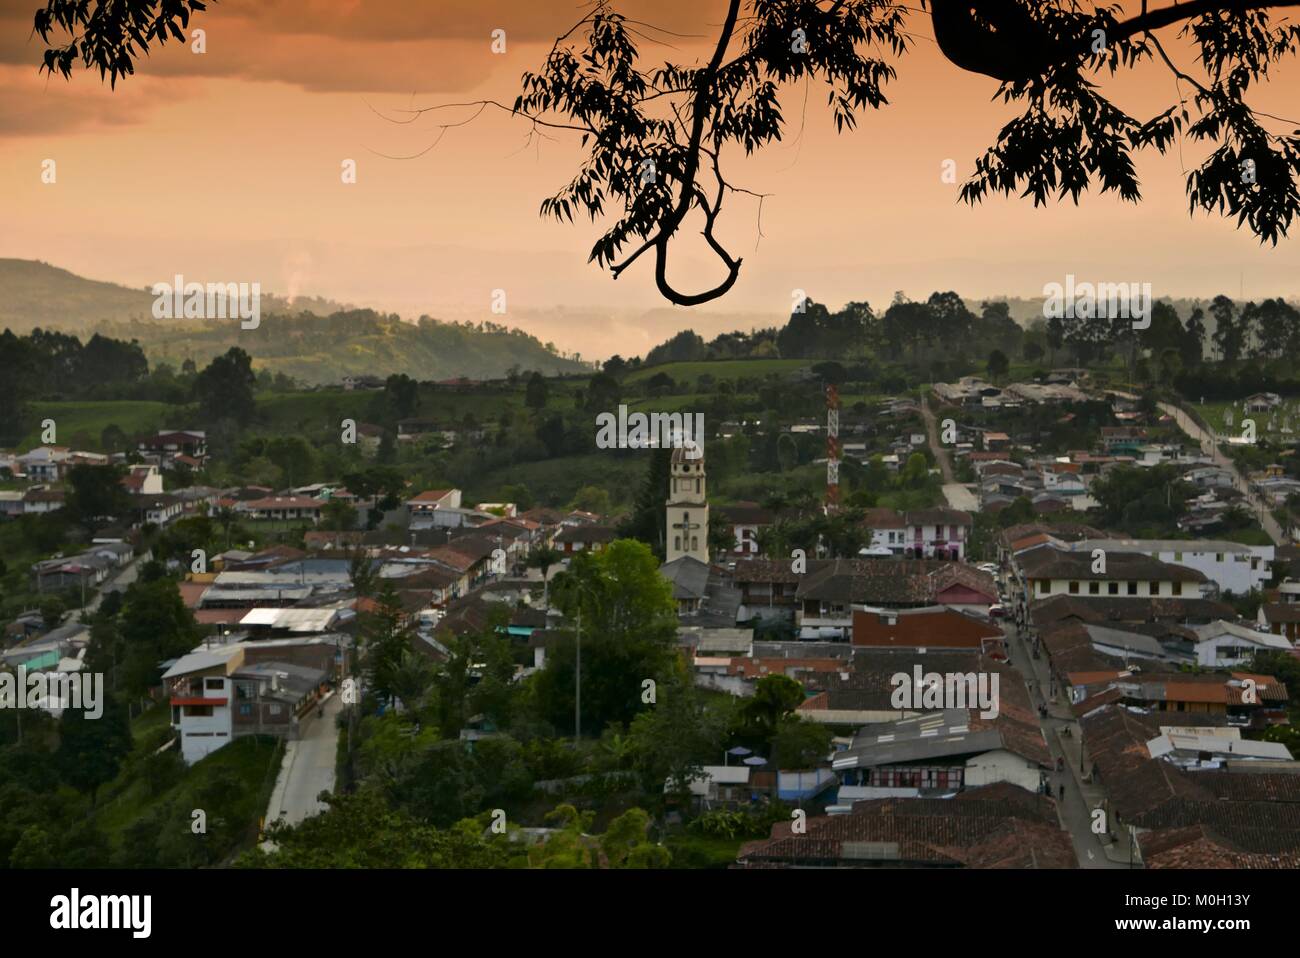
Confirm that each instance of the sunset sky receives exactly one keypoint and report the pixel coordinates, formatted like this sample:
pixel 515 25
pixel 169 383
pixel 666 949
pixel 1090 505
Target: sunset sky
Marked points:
pixel 225 166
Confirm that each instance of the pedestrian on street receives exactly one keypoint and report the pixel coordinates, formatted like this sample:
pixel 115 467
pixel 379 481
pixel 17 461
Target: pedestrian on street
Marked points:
pixel 1062 793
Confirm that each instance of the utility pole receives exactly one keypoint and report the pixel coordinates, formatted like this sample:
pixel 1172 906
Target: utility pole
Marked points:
pixel 577 689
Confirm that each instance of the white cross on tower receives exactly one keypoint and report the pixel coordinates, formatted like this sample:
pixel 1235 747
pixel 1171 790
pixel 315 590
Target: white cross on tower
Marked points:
pixel 686 525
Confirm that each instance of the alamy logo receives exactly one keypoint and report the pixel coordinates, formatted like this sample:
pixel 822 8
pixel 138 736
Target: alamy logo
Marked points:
pixel 645 431
pixel 74 911
pixel 930 691
pixel 182 300
pixel 53 690
pixel 1104 301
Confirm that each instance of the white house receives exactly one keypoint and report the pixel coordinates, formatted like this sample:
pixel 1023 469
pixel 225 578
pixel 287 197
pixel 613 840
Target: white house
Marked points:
pixel 44 463
pixel 158 510
pixel 1224 645
pixel 1231 566
pixel 719 785
pixel 1062 571
pixel 11 503
pixel 200 692
pixel 433 499
pixel 40 499
pixel 939 533
pixel 888 532
pixel 144 479
pixel 283 508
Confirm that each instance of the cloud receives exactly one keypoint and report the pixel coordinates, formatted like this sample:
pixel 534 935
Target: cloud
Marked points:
pixel 392 47
pixel 32 105
pixel 345 45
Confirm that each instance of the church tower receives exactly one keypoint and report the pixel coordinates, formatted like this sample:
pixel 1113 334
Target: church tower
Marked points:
pixel 688 506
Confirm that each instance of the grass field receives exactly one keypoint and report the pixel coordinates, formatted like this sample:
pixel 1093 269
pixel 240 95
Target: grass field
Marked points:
pixel 305 410
pixel 719 370
pixel 1268 425
pixel 89 419
pixel 690 403
pixel 250 759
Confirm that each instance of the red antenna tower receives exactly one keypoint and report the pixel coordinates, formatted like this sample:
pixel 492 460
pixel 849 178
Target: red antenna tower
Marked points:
pixel 832 448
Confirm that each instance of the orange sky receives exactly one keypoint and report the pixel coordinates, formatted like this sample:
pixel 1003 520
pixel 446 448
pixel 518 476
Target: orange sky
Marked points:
pixel 225 166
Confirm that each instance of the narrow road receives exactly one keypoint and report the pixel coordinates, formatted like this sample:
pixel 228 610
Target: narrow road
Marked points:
pixel 1210 446
pixel 940 453
pixel 1076 807
pixel 307 769
pixel 960 497
pixel 123 578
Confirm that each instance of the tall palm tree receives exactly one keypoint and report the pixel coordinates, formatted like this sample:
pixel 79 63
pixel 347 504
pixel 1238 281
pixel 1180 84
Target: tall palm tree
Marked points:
pixel 412 679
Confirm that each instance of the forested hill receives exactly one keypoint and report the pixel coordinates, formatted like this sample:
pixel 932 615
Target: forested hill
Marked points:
pixel 324 349
pixel 314 341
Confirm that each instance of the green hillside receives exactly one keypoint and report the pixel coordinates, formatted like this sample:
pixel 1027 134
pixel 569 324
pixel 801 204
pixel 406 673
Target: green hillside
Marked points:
pixel 324 349
pixel 37 294
pixel 312 347
pixel 81 423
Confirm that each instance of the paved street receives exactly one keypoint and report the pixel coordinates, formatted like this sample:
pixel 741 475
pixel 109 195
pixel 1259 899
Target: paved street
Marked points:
pixel 1075 809
pixel 119 582
pixel 940 453
pixel 1210 447
pixel 960 497
pixel 307 769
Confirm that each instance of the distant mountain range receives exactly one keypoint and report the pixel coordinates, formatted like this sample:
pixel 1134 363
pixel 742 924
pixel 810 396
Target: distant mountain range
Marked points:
pixel 314 340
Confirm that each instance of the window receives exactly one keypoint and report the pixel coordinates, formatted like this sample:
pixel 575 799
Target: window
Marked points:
pixel 216 684
pixel 1112 588
pixel 677 543
pixel 695 543
pixel 1074 588
pixel 1155 588
pixel 198 711
pixel 275 709
pixel 1218 557
pixel 1178 588
pixel 1094 588
pixel 1132 588
pixel 1044 586
pixel 246 709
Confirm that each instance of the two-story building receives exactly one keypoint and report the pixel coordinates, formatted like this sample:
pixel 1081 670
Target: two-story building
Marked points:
pixel 44 463
pixel 220 693
pixel 888 532
pixel 1049 571
pixel 746 520
pixel 164 448
pixel 938 533
pixel 1231 566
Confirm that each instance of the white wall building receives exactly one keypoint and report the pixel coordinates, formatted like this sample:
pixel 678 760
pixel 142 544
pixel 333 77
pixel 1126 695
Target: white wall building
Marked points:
pixel 1224 645
pixel 1231 566
pixel 200 695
